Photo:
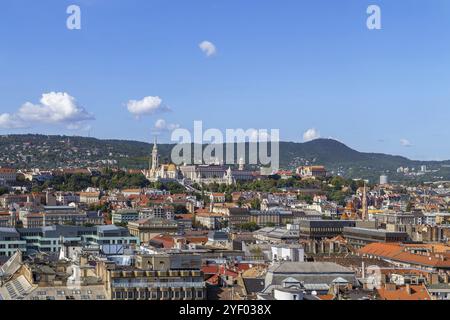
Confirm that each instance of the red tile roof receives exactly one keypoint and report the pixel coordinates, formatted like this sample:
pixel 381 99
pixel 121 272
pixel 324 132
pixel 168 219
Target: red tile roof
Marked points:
pixel 399 252
pixel 415 293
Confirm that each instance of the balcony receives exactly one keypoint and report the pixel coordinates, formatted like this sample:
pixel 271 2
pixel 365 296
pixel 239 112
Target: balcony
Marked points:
pixel 158 285
pixel 139 273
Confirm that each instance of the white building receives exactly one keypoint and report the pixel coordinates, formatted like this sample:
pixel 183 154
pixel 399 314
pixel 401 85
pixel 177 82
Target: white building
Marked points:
pixel 294 253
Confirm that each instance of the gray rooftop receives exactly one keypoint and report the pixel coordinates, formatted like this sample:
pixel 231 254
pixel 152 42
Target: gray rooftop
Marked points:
pixel 309 267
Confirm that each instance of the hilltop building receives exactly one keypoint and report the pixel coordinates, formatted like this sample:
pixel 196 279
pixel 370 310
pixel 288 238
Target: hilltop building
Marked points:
pixel 157 172
pixel 312 172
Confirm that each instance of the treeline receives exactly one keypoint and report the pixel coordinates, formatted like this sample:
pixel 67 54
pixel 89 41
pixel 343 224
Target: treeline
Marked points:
pixel 107 180
pixel 335 188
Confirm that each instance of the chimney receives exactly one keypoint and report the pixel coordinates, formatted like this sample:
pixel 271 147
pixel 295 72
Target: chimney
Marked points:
pixel 408 289
pixel 434 278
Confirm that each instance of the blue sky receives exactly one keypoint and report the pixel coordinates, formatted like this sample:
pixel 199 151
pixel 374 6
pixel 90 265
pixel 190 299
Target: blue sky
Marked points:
pixel 291 65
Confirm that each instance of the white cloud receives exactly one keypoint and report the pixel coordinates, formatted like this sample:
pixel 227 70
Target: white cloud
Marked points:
pixel 79 126
pixel 11 121
pixel 146 106
pixel 311 134
pixel 162 125
pixel 54 108
pixel 208 48
pixel 405 143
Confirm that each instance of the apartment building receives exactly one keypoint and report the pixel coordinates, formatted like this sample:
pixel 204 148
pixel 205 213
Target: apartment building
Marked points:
pixel 61 215
pixel 146 229
pixel 8 174
pixel 89 197
pixel 10 242
pixel 155 277
pixel 125 216
pixel 51 238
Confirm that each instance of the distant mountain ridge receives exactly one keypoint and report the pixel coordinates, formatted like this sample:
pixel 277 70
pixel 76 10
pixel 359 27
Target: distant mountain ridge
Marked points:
pixel 62 150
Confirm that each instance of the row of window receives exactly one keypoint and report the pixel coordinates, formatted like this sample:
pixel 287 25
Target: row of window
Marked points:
pixel 157 295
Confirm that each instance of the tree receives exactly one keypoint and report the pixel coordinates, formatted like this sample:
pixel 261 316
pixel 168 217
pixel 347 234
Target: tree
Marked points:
pixel 307 198
pixel 3 190
pixel 255 204
pixel 409 206
pixel 249 226
pixel 240 202
pixel 228 197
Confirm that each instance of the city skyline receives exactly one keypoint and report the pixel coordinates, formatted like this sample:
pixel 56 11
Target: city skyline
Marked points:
pixel 310 68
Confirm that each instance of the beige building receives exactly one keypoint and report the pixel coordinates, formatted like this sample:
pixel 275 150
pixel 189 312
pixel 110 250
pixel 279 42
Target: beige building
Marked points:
pixel 312 171
pixel 147 229
pixel 89 197
pixel 155 277
pixel 209 220
pixel 33 220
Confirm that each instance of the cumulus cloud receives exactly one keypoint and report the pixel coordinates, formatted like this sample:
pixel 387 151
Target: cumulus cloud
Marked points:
pixel 162 125
pixel 54 108
pixel 146 106
pixel 208 48
pixel 11 121
pixel 311 134
pixel 405 143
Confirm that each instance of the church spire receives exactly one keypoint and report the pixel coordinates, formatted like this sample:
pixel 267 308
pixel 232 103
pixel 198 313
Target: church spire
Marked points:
pixel 155 156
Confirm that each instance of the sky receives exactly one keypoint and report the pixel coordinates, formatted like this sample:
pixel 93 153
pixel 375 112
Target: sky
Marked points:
pixel 310 68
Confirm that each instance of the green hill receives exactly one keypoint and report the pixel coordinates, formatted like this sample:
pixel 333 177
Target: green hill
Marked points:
pixel 30 151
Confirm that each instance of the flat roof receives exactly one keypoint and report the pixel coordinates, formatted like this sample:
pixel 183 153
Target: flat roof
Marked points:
pixel 309 267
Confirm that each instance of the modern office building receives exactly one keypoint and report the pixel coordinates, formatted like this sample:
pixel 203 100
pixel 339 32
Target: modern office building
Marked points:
pixel 360 237
pixel 319 229
pixel 51 238
pixel 10 242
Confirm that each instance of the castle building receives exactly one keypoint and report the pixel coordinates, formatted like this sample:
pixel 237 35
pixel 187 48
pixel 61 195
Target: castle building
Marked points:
pixel 157 172
pixel 220 174
pixel 206 174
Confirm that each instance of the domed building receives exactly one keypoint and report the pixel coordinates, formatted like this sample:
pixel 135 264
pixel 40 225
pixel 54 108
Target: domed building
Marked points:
pixel 157 172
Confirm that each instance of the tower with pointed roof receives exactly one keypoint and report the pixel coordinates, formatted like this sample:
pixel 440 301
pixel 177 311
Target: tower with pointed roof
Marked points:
pixel 155 157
